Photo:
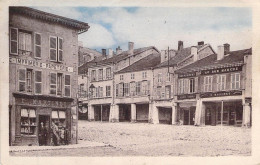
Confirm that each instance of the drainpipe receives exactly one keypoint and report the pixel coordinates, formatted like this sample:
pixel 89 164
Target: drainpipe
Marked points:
pixel 222 113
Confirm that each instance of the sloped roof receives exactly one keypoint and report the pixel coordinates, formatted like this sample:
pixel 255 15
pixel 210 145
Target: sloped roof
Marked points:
pixel 231 58
pixel 180 55
pixel 144 64
pixel 80 26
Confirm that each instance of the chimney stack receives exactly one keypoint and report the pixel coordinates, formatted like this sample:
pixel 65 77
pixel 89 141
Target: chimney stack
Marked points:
pixel 194 52
pixel 220 54
pixel 131 47
pixel 226 48
pixel 200 43
pixel 118 50
pixel 110 53
pixel 180 45
pixel 104 52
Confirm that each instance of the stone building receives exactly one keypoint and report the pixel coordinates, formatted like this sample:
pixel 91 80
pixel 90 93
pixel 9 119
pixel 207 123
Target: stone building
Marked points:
pixel 216 89
pixel 43 62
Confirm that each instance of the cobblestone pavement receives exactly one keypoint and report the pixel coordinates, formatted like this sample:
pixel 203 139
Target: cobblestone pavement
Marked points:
pixel 143 139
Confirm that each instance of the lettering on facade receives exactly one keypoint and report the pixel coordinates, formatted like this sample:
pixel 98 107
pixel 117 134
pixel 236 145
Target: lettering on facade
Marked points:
pixel 185 75
pixel 187 96
pixel 221 94
pixel 39 102
pixel 221 70
pixel 40 64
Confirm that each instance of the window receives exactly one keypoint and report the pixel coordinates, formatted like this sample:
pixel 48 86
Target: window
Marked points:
pixel 28 122
pixel 108 91
pixel 132 76
pixel 100 74
pixel 159 92
pixel 25 43
pixel 168 78
pixel 132 88
pixel 192 85
pixel 159 77
pixel 59 116
pixel 121 77
pixel 168 91
pixel 117 89
pixel 108 73
pixel 186 85
pixel 37 45
pixel 25 80
pixel 67 85
pixel 221 82
pixel 93 75
pixel 126 89
pixel 235 81
pixel 38 82
pixel 208 83
pixel 29 80
pixel 56 49
pixel 59 84
pixel 99 92
pixel 180 86
pixel 138 88
pixel 121 89
pixel 13 41
pixel 144 75
pixel 53 83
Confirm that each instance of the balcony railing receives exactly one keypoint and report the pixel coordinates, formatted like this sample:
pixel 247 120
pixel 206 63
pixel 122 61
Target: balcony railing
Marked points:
pixel 24 52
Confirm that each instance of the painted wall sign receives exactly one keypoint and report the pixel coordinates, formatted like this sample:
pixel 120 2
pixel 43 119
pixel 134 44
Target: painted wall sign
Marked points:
pixel 221 94
pixel 191 74
pixel 40 64
pixel 40 102
pixel 187 96
pixel 221 70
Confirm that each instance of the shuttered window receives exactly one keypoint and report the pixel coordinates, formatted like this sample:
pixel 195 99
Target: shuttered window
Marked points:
pixel 25 42
pixel 13 41
pixel 60 50
pixel 38 82
pixel 117 89
pixel 108 91
pixel 53 83
pixel 126 89
pixel 37 43
pixel 221 82
pixel 138 88
pixel 67 85
pixel 208 83
pixel 132 88
pixel 22 73
pixel 59 84
pixel 53 48
pixel 235 81
pixel 121 89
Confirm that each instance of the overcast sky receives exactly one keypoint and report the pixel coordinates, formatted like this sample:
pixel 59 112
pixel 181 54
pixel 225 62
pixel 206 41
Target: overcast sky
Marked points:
pixel 161 27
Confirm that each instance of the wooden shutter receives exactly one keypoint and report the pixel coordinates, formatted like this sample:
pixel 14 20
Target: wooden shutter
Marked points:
pixel 60 49
pixel 14 41
pixel 53 83
pixel 37 43
pixel 22 74
pixel 67 85
pixel 53 48
pixel 38 82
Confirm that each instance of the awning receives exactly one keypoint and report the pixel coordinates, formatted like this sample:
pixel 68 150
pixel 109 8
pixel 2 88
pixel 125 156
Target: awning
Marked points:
pixel 62 115
pixel 54 115
pixel 24 113
pixel 32 113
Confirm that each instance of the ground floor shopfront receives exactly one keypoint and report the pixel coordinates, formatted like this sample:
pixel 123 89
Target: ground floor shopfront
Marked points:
pixel 42 120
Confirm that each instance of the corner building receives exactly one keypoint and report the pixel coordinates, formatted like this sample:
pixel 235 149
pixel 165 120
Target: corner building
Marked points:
pixel 43 62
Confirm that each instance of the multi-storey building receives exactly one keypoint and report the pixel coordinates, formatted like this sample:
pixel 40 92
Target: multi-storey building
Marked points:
pixel 42 76
pixel 164 85
pixel 133 86
pixel 101 82
pixel 216 89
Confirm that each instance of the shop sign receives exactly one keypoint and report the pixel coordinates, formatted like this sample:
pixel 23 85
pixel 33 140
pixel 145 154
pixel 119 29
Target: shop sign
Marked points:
pixel 221 70
pixel 34 63
pixel 221 94
pixel 187 96
pixel 185 75
pixel 49 103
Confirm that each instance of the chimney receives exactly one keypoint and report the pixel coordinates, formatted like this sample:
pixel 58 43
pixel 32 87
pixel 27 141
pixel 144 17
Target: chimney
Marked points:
pixel 194 52
pixel 110 53
pixel 220 54
pixel 200 43
pixel 131 47
pixel 164 55
pixel 118 50
pixel 104 52
pixel 180 45
pixel 226 48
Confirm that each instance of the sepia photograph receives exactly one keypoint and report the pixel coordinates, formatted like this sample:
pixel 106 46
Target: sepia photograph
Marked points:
pixel 128 81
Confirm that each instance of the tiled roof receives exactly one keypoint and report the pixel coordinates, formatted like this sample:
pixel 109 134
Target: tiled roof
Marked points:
pixel 231 58
pixel 180 55
pixel 144 64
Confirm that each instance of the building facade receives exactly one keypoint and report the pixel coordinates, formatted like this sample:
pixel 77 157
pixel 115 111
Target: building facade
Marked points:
pixel 43 64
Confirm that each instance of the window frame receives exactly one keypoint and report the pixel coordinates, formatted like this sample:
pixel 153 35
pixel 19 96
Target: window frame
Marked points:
pixel 108 91
pixel 10 41
pixel 209 84
pixel 67 85
pixel 235 82
pixel 23 81
pixel 220 83
pixel 35 45
pixel 159 77
pixel 53 84
pixel 53 48
pixel 36 82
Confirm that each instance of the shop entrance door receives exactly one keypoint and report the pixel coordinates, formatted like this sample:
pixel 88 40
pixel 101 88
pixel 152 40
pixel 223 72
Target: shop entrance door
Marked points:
pixel 44 130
